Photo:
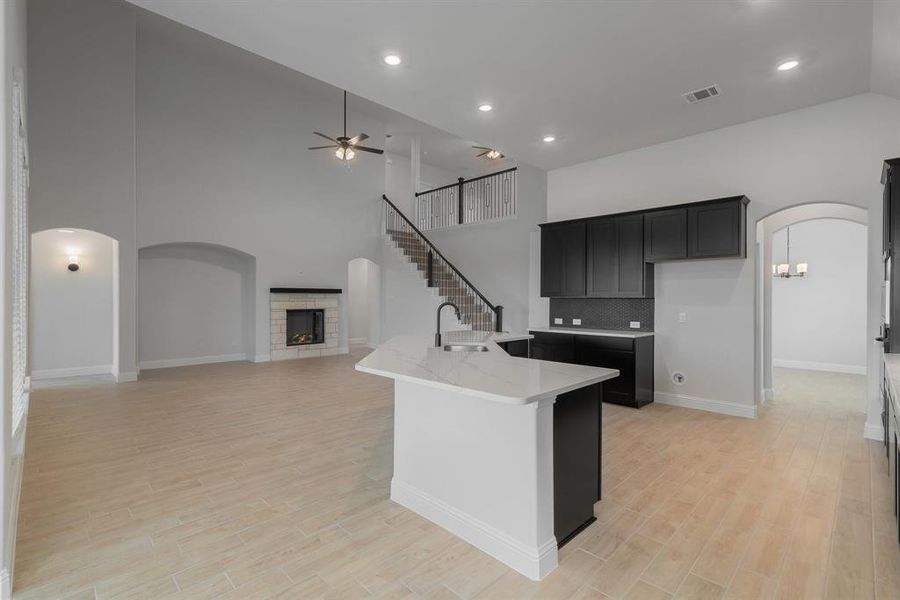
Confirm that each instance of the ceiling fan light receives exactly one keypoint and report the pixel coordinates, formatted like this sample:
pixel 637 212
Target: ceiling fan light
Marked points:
pixel 493 154
pixel 349 154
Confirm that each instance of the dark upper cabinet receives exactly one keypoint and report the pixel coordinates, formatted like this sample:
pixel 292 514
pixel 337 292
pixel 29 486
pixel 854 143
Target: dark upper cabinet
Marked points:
pixel 712 229
pixel 718 229
pixel 665 235
pixel 562 259
pixel 615 258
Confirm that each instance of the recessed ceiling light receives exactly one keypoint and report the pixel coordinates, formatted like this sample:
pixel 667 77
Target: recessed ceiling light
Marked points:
pixel 485 108
pixel 549 138
pixel 392 60
pixel 788 65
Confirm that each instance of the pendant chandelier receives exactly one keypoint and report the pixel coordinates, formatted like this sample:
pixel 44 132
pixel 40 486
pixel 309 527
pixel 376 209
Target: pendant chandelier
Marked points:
pixel 783 270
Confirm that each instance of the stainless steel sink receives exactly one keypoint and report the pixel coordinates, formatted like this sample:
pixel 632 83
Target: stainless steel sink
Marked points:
pixel 465 348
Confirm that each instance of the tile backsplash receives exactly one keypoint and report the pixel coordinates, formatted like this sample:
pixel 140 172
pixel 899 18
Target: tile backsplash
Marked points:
pixel 603 313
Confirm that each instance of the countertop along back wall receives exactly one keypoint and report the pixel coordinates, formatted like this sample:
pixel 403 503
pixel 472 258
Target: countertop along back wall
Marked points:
pixel 831 152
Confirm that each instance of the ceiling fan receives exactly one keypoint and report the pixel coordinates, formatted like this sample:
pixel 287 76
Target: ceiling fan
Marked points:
pixel 489 153
pixel 346 147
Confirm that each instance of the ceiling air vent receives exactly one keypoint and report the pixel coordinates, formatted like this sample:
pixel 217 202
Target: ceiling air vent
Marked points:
pixel 701 94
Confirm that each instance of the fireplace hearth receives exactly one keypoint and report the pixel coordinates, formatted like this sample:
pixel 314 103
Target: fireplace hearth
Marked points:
pixel 304 327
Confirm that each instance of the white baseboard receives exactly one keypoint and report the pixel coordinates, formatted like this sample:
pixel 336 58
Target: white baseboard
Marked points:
pixel 819 366
pixel 768 394
pixel 874 432
pixel 357 341
pixel 192 360
pixel 261 358
pixel 71 372
pixel 533 562
pixel 716 406
pixel 127 377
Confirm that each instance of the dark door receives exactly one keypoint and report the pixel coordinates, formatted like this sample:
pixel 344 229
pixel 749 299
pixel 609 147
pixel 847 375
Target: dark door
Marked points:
pixel 602 258
pixel 553 346
pixel 562 260
pixel 665 234
pixel 714 230
pixel 632 281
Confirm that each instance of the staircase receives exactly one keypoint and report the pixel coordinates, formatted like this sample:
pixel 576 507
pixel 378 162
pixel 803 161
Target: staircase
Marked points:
pixel 439 273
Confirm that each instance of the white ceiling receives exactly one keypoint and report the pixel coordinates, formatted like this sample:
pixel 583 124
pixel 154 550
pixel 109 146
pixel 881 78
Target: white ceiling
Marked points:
pixel 604 77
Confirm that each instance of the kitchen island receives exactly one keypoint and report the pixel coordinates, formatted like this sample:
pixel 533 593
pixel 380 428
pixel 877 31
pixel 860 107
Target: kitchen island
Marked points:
pixel 504 452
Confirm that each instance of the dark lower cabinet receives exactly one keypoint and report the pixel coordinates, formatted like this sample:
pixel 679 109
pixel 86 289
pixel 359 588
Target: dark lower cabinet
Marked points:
pixel 518 348
pixel 577 431
pixel 557 347
pixel 890 418
pixel 632 357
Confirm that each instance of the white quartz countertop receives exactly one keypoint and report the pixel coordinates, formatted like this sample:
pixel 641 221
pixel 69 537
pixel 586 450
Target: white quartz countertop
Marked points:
pixel 598 332
pixel 493 375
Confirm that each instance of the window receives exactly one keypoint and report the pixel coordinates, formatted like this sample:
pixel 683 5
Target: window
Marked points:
pixel 20 263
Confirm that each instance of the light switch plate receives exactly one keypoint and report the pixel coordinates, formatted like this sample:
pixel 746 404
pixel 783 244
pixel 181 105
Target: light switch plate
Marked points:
pixel 557 321
pixel 576 321
pixel 635 324
pixel 682 317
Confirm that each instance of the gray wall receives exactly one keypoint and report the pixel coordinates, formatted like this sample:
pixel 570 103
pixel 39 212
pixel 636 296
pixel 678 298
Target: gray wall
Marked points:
pixel 831 152
pixel 81 102
pixel 72 312
pixel 196 303
pixel 222 159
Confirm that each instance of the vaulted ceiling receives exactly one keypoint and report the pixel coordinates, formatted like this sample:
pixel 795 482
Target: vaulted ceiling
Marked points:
pixel 602 77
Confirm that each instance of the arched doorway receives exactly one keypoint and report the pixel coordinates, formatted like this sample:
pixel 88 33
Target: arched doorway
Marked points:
pixel 196 305
pixel 74 305
pixel 771 250
pixel 364 302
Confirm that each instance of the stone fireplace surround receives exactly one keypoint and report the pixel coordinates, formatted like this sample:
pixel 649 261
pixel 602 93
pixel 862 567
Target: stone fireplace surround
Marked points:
pixel 283 299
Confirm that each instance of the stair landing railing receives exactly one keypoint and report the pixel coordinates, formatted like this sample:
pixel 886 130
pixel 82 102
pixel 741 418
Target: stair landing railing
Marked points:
pixel 437 265
pixel 490 197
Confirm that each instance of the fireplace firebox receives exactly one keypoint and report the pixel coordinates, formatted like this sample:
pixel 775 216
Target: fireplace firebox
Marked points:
pixel 305 326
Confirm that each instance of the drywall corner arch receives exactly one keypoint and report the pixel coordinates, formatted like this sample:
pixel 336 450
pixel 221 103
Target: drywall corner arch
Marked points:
pixel 75 315
pixel 196 304
pixel 765 229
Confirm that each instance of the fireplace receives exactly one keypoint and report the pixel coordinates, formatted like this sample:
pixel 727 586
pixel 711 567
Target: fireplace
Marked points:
pixel 305 326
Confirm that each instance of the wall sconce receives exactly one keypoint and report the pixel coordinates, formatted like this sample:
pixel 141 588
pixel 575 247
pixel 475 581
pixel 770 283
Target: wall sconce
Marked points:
pixel 73 263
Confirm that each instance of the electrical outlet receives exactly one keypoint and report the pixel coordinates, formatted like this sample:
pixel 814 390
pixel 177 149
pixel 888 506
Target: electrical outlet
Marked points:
pixel 635 324
pixel 557 321
pixel 576 321
pixel 682 317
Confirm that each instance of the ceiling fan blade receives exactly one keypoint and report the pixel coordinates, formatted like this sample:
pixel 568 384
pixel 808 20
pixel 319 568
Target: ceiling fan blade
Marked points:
pixel 483 153
pixel 482 148
pixel 355 140
pixel 325 136
pixel 366 149
pixel 321 147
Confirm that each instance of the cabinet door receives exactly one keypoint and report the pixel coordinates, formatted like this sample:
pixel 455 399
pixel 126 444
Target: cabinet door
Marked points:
pixel 602 258
pixel 716 230
pixel 562 260
pixel 886 216
pixel 573 260
pixel 632 277
pixel 665 234
pixel 610 353
pixel 556 347
pixel 553 246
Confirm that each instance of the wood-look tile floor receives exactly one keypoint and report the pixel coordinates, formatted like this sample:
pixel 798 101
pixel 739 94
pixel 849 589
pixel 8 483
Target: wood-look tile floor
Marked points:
pixel 271 480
